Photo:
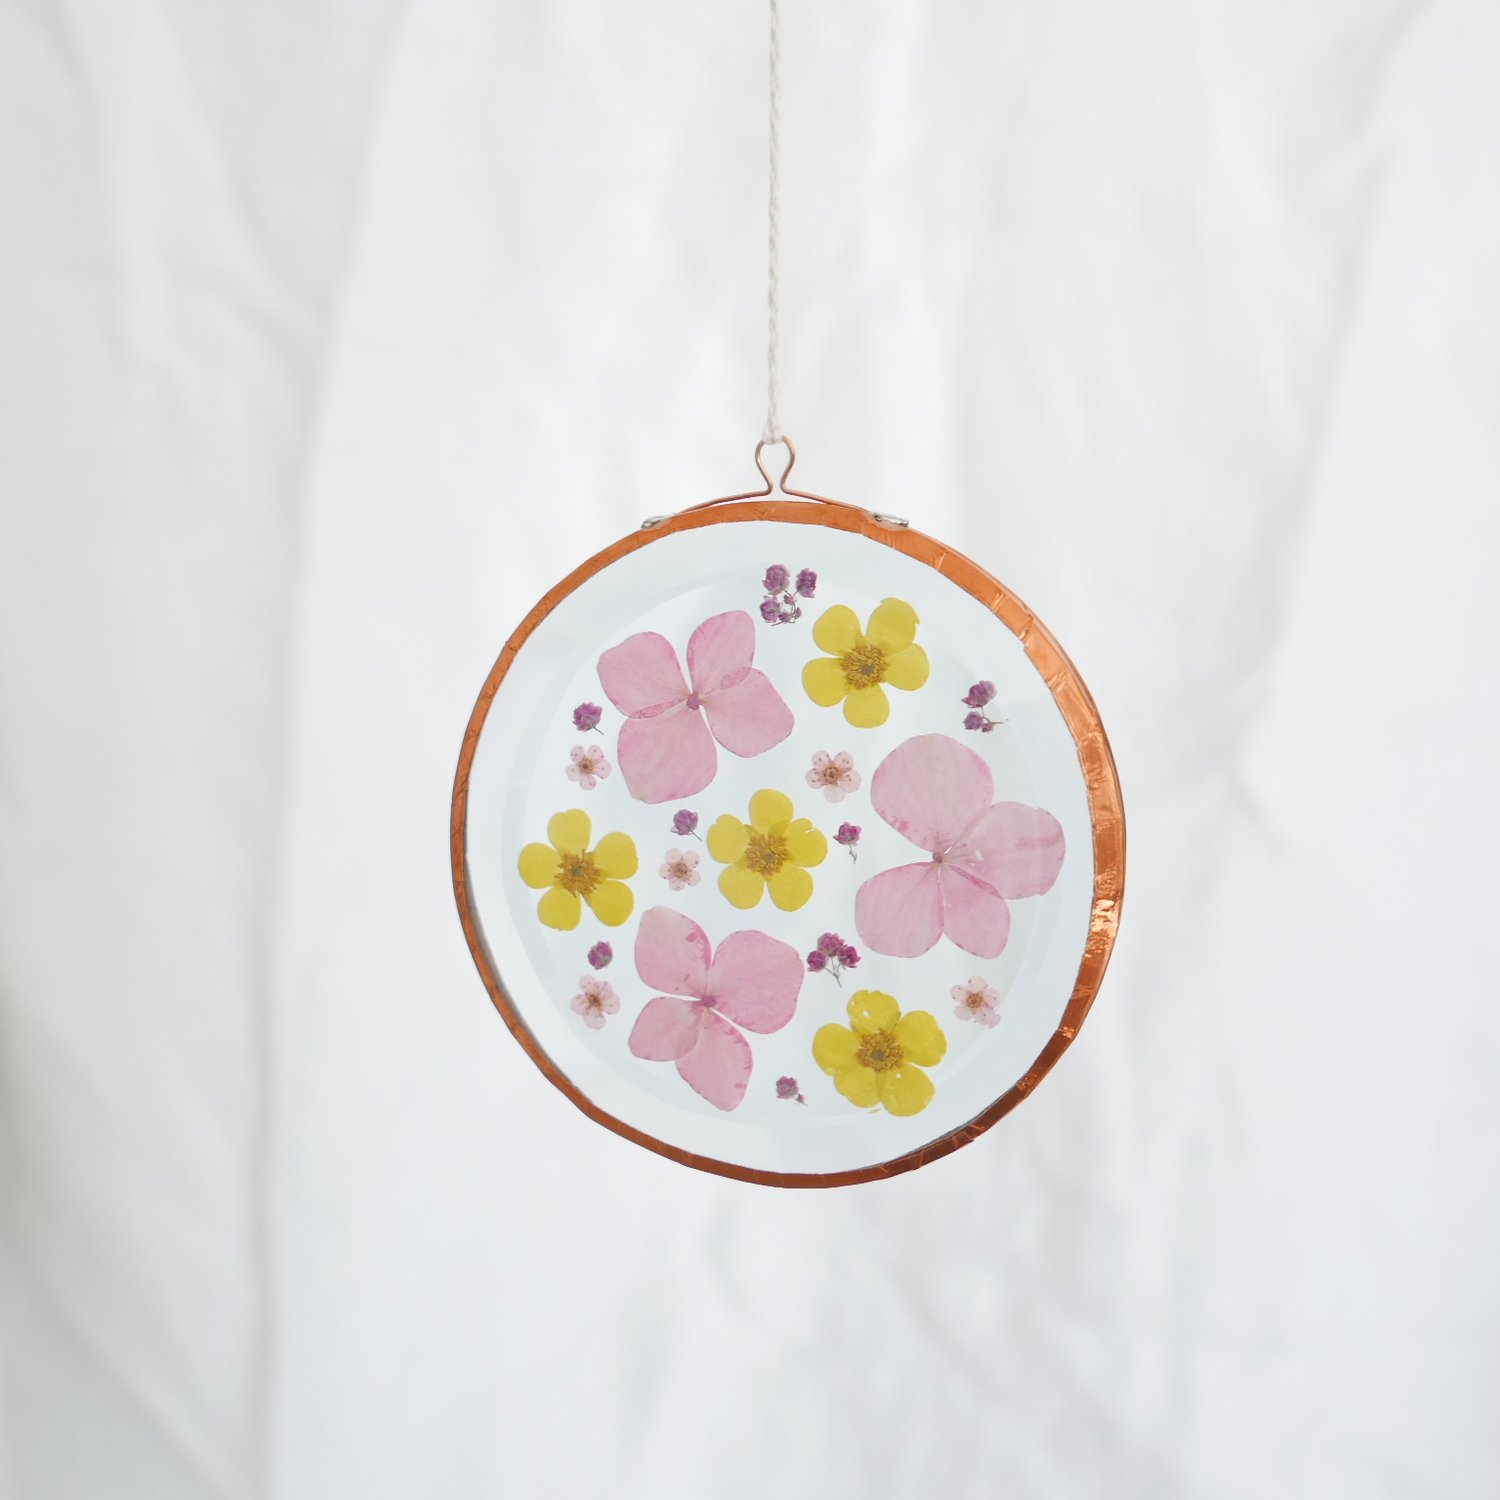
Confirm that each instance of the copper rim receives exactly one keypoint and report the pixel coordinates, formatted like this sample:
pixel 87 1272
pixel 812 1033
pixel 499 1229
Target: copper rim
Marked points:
pixel 1106 809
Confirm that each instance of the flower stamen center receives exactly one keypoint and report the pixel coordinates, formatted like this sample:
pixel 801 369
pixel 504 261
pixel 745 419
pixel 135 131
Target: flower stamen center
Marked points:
pixel 766 853
pixel 880 1051
pixel 577 873
pixel 864 666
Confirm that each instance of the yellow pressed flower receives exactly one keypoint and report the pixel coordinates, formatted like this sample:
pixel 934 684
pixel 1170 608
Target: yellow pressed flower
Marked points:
pixel 571 873
pixel 770 852
pixel 861 664
pixel 878 1058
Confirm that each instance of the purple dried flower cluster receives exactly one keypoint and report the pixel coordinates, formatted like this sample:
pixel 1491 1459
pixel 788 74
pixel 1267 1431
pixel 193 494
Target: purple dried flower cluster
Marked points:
pixel 780 606
pixel 848 836
pixel 601 955
pixel 832 956
pixel 586 717
pixel 685 823
pixel 978 698
pixel 786 1088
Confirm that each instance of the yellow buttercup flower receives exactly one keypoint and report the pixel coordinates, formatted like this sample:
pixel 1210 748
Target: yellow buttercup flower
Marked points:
pixel 770 852
pixel 571 873
pixel 878 1058
pixel 861 664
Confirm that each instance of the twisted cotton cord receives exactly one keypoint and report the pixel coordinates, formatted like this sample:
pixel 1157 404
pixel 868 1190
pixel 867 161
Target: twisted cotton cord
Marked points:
pixel 772 433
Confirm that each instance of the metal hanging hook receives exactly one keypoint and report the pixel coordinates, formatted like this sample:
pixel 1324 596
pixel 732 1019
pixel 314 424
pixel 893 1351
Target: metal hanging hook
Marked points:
pixel 771 487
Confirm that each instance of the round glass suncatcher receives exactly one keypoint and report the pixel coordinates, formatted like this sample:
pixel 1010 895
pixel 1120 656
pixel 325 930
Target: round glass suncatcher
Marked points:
pixel 788 842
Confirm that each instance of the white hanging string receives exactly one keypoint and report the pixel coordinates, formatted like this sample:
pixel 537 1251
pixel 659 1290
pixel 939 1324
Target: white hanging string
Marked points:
pixel 773 432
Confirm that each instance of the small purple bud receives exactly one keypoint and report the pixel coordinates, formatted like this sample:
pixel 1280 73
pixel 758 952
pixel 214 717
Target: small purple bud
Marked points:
pixel 788 615
pixel 770 609
pixel 684 822
pixel 786 1088
pixel 601 955
pixel 849 957
pixel 586 716
pixel 831 944
pixel 974 719
pixel 776 579
pixel 817 961
pixel 847 835
pixel 980 694
pixel 807 583
pixel 989 725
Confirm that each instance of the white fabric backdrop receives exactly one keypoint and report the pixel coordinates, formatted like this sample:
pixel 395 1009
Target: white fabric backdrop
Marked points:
pixel 335 331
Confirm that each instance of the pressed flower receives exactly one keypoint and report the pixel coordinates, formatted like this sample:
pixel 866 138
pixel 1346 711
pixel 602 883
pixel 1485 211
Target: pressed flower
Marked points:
pixel 595 1000
pixel 666 747
pixel 586 717
pixel 569 873
pixel 685 823
pixel 834 774
pixel 750 984
pixel 786 1088
pixel 981 853
pixel 848 836
pixel 978 698
pixel 773 851
pixel 782 602
pixel 832 956
pixel 862 664
pixel 588 766
pixel 977 1001
pixel 680 869
pixel 879 1057
pixel 601 955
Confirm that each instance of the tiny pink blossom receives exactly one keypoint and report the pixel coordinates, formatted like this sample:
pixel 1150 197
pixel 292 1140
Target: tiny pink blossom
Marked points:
pixel 589 767
pixel 680 869
pixel 595 1000
pixel 835 774
pixel 977 1001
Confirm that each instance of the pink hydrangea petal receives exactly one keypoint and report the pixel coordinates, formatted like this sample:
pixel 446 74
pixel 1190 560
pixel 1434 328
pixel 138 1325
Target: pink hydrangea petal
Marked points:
pixel 667 1029
pixel 974 916
pixel 931 788
pixel 719 1067
pixel 641 675
pixel 720 651
pixel 1016 849
pixel 899 912
pixel 750 717
pixel 672 953
pixel 755 980
pixel 667 757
